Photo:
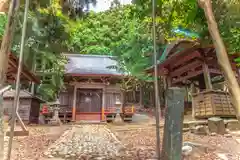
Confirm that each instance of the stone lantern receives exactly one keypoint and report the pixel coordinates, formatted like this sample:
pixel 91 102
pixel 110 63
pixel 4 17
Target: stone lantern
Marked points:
pixel 55 107
pixel 118 106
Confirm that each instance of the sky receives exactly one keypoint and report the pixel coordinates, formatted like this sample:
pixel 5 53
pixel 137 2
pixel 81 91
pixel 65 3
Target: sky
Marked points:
pixel 103 5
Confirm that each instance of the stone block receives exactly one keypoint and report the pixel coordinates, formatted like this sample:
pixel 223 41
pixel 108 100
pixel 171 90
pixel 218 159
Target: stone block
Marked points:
pixel 216 125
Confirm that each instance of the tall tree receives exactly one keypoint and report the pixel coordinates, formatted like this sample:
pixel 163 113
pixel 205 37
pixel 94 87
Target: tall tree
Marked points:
pixel 215 22
pixel 222 55
pixel 39 37
pixel 47 33
pixel 5 48
pixel 3 6
pixel 128 38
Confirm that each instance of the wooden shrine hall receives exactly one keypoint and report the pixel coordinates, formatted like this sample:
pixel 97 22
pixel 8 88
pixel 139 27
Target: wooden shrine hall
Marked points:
pixel 92 87
pixel 186 62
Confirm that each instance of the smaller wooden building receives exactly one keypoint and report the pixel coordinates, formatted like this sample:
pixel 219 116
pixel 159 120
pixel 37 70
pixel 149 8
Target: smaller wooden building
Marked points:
pixel 29 104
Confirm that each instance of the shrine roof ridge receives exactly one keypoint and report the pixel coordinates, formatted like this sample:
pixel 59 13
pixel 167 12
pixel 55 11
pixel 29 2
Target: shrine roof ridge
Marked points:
pixel 82 64
pixel 87 55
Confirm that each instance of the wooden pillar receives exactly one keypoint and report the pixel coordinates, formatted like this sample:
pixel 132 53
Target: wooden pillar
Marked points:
pixel 168 82
pixel 74 103
pixel 207 77
pixel 103 104
pixel 193 91
pixel 201 83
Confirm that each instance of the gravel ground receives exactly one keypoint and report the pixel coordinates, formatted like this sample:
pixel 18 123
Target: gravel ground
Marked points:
pixel 141 143
pixel 129 141
pixel 31 147
pixel 87 142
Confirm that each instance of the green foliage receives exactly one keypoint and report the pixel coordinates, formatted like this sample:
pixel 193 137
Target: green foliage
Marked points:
pixel 45 41
pixel 172 14
pixel 187 15
pixel 46 37
pixel 120 32
pixel 227 15
pixel 50 87
pixel 3 20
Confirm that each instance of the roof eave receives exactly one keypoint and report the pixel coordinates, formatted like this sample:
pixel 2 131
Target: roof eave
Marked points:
pixel 94 75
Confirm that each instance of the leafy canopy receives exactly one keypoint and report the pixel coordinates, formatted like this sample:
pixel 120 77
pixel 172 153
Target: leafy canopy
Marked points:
pixel 120 32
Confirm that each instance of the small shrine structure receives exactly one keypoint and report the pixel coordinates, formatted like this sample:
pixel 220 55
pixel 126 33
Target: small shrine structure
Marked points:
pixel 185 63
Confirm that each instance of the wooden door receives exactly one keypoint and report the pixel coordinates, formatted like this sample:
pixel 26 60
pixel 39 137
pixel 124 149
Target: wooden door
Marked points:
pixel 89 100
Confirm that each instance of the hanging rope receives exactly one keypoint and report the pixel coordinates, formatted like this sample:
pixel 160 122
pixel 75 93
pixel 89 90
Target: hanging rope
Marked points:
pixel 16 98
pixel 157 101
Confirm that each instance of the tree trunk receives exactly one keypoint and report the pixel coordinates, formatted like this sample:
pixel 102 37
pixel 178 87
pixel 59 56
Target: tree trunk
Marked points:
pixel 5 49
pixel 141 97
pixel 3 6
pixel 222 55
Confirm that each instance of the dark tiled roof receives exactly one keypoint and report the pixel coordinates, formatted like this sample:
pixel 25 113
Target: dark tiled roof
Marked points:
pixel 22 94
pixel 91 64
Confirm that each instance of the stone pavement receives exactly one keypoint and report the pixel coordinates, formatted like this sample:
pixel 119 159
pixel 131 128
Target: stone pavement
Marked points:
pixel 88 141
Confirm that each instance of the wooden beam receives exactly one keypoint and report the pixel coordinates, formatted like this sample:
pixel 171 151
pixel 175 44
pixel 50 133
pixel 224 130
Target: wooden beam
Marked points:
pixel 215 71
pixel 190 75
pixel 206 74
pixel 13 61
pixel 188 54
pixel 185 68
pixel 213 61
pixel 218 81
pixel 193 90
pixel 185 59
pixel 168 82
pixel 15 66
pixel 11 69
pixel 18 133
